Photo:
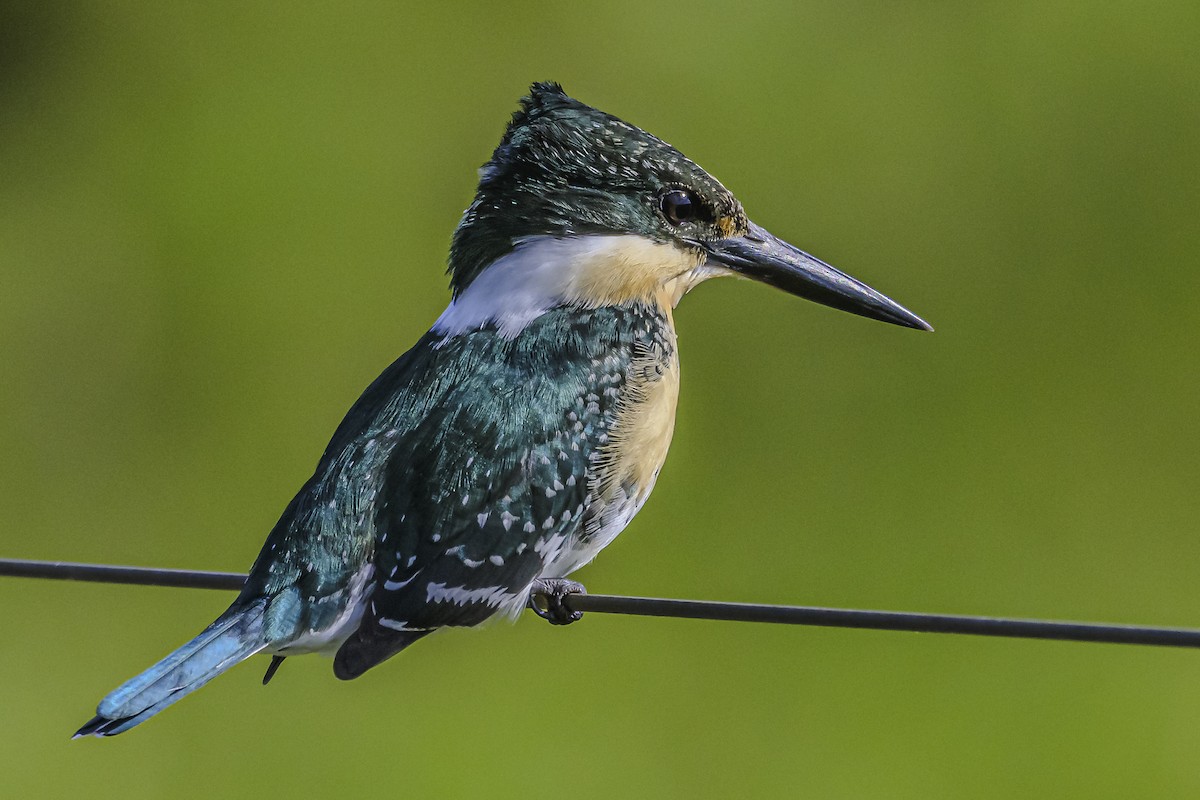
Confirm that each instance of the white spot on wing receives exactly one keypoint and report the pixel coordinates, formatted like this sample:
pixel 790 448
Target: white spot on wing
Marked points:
pixel 394 624
pixel 494 596
pixel 392 586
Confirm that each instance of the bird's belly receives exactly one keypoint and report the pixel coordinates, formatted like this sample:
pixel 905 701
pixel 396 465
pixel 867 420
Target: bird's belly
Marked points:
pixel 627 466
pixel 583 547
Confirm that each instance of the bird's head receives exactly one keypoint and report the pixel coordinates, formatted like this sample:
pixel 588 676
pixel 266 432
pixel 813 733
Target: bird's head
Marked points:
pixel 577 206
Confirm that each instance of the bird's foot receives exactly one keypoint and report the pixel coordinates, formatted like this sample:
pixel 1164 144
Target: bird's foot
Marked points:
pixel 554 592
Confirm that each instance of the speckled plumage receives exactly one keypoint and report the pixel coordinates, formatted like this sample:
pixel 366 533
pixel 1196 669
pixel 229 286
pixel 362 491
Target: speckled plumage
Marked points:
pixel 564 168
pixel 492 457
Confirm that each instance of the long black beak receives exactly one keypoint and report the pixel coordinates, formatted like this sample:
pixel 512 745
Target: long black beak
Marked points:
pixel 764 257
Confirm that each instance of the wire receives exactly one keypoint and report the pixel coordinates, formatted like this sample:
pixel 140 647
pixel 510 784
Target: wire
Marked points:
pixel 106 573
pixel 688 609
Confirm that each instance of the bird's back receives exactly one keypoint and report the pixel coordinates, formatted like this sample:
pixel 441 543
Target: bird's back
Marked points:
pixel 472 466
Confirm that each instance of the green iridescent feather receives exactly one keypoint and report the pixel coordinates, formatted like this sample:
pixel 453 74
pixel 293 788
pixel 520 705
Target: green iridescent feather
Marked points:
pixel 564 168
pixel 449 472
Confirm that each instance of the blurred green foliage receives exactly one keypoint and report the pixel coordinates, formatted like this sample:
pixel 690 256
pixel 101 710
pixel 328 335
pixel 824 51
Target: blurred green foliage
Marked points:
pixel 219 222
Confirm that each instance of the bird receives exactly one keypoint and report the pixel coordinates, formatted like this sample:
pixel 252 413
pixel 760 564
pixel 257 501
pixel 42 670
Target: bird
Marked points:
pixel 524 430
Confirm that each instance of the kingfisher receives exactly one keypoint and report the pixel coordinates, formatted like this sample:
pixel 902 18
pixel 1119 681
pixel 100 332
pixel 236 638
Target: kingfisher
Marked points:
pixel 524 430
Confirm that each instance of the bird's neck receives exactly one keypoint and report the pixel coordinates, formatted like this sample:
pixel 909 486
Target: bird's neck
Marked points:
pixel 592 271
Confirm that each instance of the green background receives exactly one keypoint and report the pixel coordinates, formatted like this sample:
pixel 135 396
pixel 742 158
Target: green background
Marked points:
pixel 218 224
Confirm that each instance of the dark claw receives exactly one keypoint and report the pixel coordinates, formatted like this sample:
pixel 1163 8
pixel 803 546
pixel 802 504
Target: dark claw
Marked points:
pixel 554 591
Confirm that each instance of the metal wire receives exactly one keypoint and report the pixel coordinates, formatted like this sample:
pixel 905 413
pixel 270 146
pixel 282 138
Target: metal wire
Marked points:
pixel 688 609
pixel 107 573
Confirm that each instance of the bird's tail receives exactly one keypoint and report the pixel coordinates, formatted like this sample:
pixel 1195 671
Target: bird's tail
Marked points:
pixel 233 637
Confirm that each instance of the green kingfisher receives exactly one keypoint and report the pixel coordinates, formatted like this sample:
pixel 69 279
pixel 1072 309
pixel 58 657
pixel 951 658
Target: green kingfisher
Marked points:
pixel 525 430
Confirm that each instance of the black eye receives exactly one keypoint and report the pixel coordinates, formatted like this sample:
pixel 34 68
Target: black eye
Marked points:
pixel 678 206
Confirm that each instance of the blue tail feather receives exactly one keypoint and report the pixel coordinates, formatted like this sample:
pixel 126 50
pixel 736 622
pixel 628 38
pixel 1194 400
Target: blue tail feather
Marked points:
pixel 233 637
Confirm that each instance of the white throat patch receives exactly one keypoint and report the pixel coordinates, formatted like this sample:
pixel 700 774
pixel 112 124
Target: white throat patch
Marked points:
pixel 594 270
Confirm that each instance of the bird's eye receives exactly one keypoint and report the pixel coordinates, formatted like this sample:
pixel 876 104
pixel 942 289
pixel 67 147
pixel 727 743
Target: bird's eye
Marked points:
pixel 678 206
